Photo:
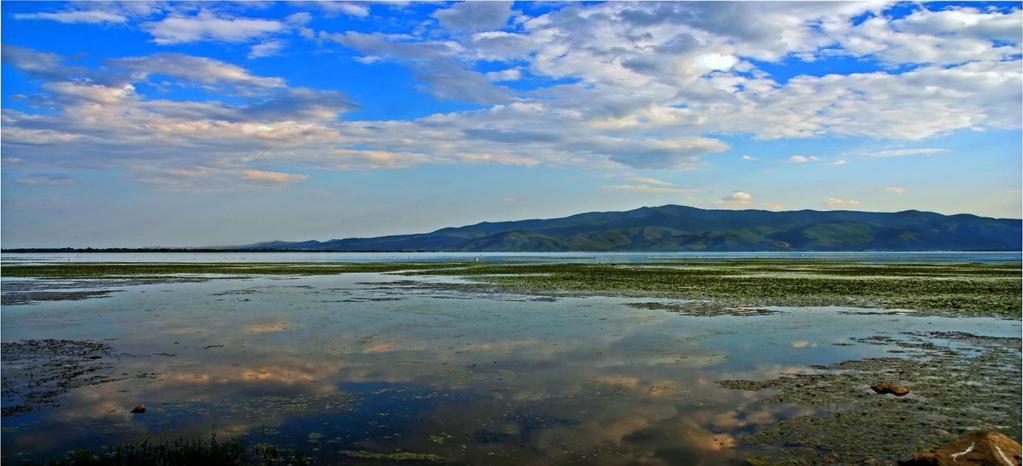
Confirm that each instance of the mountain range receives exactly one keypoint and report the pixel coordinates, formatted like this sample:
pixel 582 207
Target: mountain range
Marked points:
pixel 681 228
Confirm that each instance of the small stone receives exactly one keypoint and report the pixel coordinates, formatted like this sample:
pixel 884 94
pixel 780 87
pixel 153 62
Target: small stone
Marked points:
pixel 893 388
pixel 975 448
pixel 138 409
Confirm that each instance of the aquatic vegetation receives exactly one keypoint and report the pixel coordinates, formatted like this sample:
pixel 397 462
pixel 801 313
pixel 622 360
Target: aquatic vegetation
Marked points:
pixel 183 452
pixel 946 289
pixel 703 308
pixel 943 289
pixel 11 298
pixel 399 456
pixel 452 362
pixel 36 372
pixel 964 385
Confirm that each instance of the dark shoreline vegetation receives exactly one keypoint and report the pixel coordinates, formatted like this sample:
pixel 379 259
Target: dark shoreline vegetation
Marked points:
pixel 930 289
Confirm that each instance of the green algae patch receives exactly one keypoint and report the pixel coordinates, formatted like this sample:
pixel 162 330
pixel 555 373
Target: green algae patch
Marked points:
pixel 703 309
pixel 929 289
pixel 958 383
pixel 37 372
pixel 401 456
pixel 182 452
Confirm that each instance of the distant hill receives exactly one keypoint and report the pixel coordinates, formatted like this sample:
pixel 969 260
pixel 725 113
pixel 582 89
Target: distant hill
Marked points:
pixel 681 228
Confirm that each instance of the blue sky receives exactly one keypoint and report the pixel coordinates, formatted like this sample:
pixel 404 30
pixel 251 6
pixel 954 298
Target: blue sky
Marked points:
pixel 189 124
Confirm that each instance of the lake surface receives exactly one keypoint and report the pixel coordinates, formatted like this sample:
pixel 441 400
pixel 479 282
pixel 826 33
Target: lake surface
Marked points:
pixel 595 257
pixel 348 365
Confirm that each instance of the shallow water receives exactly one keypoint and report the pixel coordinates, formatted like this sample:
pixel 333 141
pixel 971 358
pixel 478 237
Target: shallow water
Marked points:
pixel 594 257
pixel 359 363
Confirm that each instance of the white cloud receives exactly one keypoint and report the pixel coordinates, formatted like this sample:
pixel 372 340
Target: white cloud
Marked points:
pixel 750 157
pixel 76 16
pixel 266 49
pixel 802 158
pixel 353 9
pixel 648 180
pixel 654 85
pixel 737 198
pixel 331 8
pixel 633 86
pixel 299 19
pixel 840 162
pixel 654 152
pixel 40 65
pixel 272 177
pixel 45 179
pixel 178 28
pixel 193 69
pixel 474 16
pixel 949 36
pixel 645 188
pixel 905 152
pixel 646 184
pixel 434 62
pixel 895 189
pixel 510 74
pixel 104 123
pixel 841 203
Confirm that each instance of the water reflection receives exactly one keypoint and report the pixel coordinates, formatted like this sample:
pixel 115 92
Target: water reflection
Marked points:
pixel 346 364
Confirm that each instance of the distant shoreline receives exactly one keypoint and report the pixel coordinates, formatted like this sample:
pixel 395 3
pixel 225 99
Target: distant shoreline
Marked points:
pixel 168 250
pixel 305 251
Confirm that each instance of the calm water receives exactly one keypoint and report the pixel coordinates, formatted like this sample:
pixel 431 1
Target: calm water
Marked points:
pixel 362 362
pixel 512 257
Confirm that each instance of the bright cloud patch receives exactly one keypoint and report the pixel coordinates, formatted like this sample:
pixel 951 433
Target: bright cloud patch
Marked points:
pixel 207 26
pixel 738 198
pixel 905 152
pixel 76 16
pixel 266 49
pixel 802 158
pixel 841 203
pixel 272 177
pixel 646 184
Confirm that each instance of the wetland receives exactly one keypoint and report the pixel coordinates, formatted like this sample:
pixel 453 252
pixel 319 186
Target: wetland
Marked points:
pixel 677 360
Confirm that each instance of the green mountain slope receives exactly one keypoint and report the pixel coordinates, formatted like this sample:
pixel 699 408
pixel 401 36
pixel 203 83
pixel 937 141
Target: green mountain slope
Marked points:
pixel 680 228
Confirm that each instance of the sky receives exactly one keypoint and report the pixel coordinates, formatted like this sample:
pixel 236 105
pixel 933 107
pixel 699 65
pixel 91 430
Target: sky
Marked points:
pixel 195 124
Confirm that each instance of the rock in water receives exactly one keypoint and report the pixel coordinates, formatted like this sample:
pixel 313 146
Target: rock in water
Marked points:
pixel 893 388
pixel 138 409
pixel 976 448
